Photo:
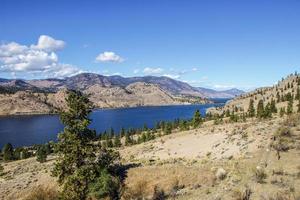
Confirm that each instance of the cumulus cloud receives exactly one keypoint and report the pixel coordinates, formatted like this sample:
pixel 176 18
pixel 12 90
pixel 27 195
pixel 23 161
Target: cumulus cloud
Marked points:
pixel 39 58
pixel 150 70
pixel 109 56
pixel 47 43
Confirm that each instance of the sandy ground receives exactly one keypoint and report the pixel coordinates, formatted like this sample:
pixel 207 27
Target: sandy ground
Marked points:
pixel 213 141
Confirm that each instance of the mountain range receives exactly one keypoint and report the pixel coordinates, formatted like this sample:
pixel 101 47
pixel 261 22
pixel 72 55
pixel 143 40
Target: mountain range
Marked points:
pixel 85 80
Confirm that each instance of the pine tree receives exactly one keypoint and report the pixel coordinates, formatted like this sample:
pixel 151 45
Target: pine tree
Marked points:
pixel 117 141
pixel 197 119
pixel 1 169
pixel 8 152
pixel 111 133
pixel 251 110
pixel 278 97
pixel 128 140
pixel 260 109
pixel 41 154
pixel 297 97
pixel 273 106
pixel 168 129
pixel 268 111
pixel 75 151
pixel 122 133
pixel 289 109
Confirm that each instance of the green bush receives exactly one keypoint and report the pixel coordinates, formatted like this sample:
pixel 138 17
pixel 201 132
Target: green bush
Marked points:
pixel 104 186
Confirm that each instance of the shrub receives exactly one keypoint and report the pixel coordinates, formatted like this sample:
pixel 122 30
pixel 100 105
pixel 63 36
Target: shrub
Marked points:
pixel 8 152
pixel 283 132
pixel 260 174
pixel 221 174
pixel 41 154
pixel 243 194
pixel 104 186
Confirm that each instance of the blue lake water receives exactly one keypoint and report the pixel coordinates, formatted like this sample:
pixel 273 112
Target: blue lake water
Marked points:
pixel 39 129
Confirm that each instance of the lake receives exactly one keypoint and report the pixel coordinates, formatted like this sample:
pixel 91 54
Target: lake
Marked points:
pixel 38 129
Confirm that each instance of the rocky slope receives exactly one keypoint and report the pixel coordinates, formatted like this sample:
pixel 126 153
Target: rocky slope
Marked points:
pixel 101 95
pixel 286 87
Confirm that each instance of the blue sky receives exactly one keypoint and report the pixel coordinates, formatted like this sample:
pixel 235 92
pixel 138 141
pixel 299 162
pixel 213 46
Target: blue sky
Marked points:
pixel 215 44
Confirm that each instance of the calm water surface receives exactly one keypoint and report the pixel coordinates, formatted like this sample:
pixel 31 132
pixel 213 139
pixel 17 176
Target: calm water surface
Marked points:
pixel 38 129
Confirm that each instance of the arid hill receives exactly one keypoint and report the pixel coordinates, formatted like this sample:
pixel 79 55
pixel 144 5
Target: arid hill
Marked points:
pixel 284 91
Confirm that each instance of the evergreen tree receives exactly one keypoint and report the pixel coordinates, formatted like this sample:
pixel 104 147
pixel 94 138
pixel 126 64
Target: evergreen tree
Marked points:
pixel 197 119
pixel 1 169
pixel 8 152
pixel 227 114
pixel 260 109
pixel 251 110
pixel 183 125
pixel 117 141
pixel 278 97
pixel 128 140
pixel 109 143
pixel 268 111
pixel 298 106
pixel 122 133
pixel 112 133
pixel 273 106
pixel 289 109
pixel 74 166
pixel 168 128
pixel 297 97
pixel 41 154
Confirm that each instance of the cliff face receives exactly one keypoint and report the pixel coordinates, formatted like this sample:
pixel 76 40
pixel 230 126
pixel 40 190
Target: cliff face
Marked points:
pixel 288 86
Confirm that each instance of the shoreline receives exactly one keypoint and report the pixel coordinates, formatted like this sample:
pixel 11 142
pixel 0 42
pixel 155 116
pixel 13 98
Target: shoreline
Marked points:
pixel 104 108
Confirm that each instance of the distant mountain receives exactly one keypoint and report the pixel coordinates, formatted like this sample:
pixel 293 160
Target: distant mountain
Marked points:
pixel 85 80
pixel 210 93
pixel 48 95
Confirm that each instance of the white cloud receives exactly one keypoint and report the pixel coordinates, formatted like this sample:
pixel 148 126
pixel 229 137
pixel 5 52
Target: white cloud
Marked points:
pixel 173 76
pixel 47 43
pixel 149 70
pixel 194 69
pixel 109 56
pixel 40 58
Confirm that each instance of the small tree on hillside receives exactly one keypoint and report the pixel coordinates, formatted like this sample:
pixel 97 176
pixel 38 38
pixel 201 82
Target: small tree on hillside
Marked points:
pixel 260 109
pixel 289 109
pixel 8 152
pixel 1 169
pixel 122 132
pixel 117 141
pixel 41 154
pixel 197 119
pixel 251 110
pixel 273 106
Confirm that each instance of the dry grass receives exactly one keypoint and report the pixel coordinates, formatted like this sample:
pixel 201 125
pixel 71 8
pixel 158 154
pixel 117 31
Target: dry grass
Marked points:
pixel 169 178
pixel 43 193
